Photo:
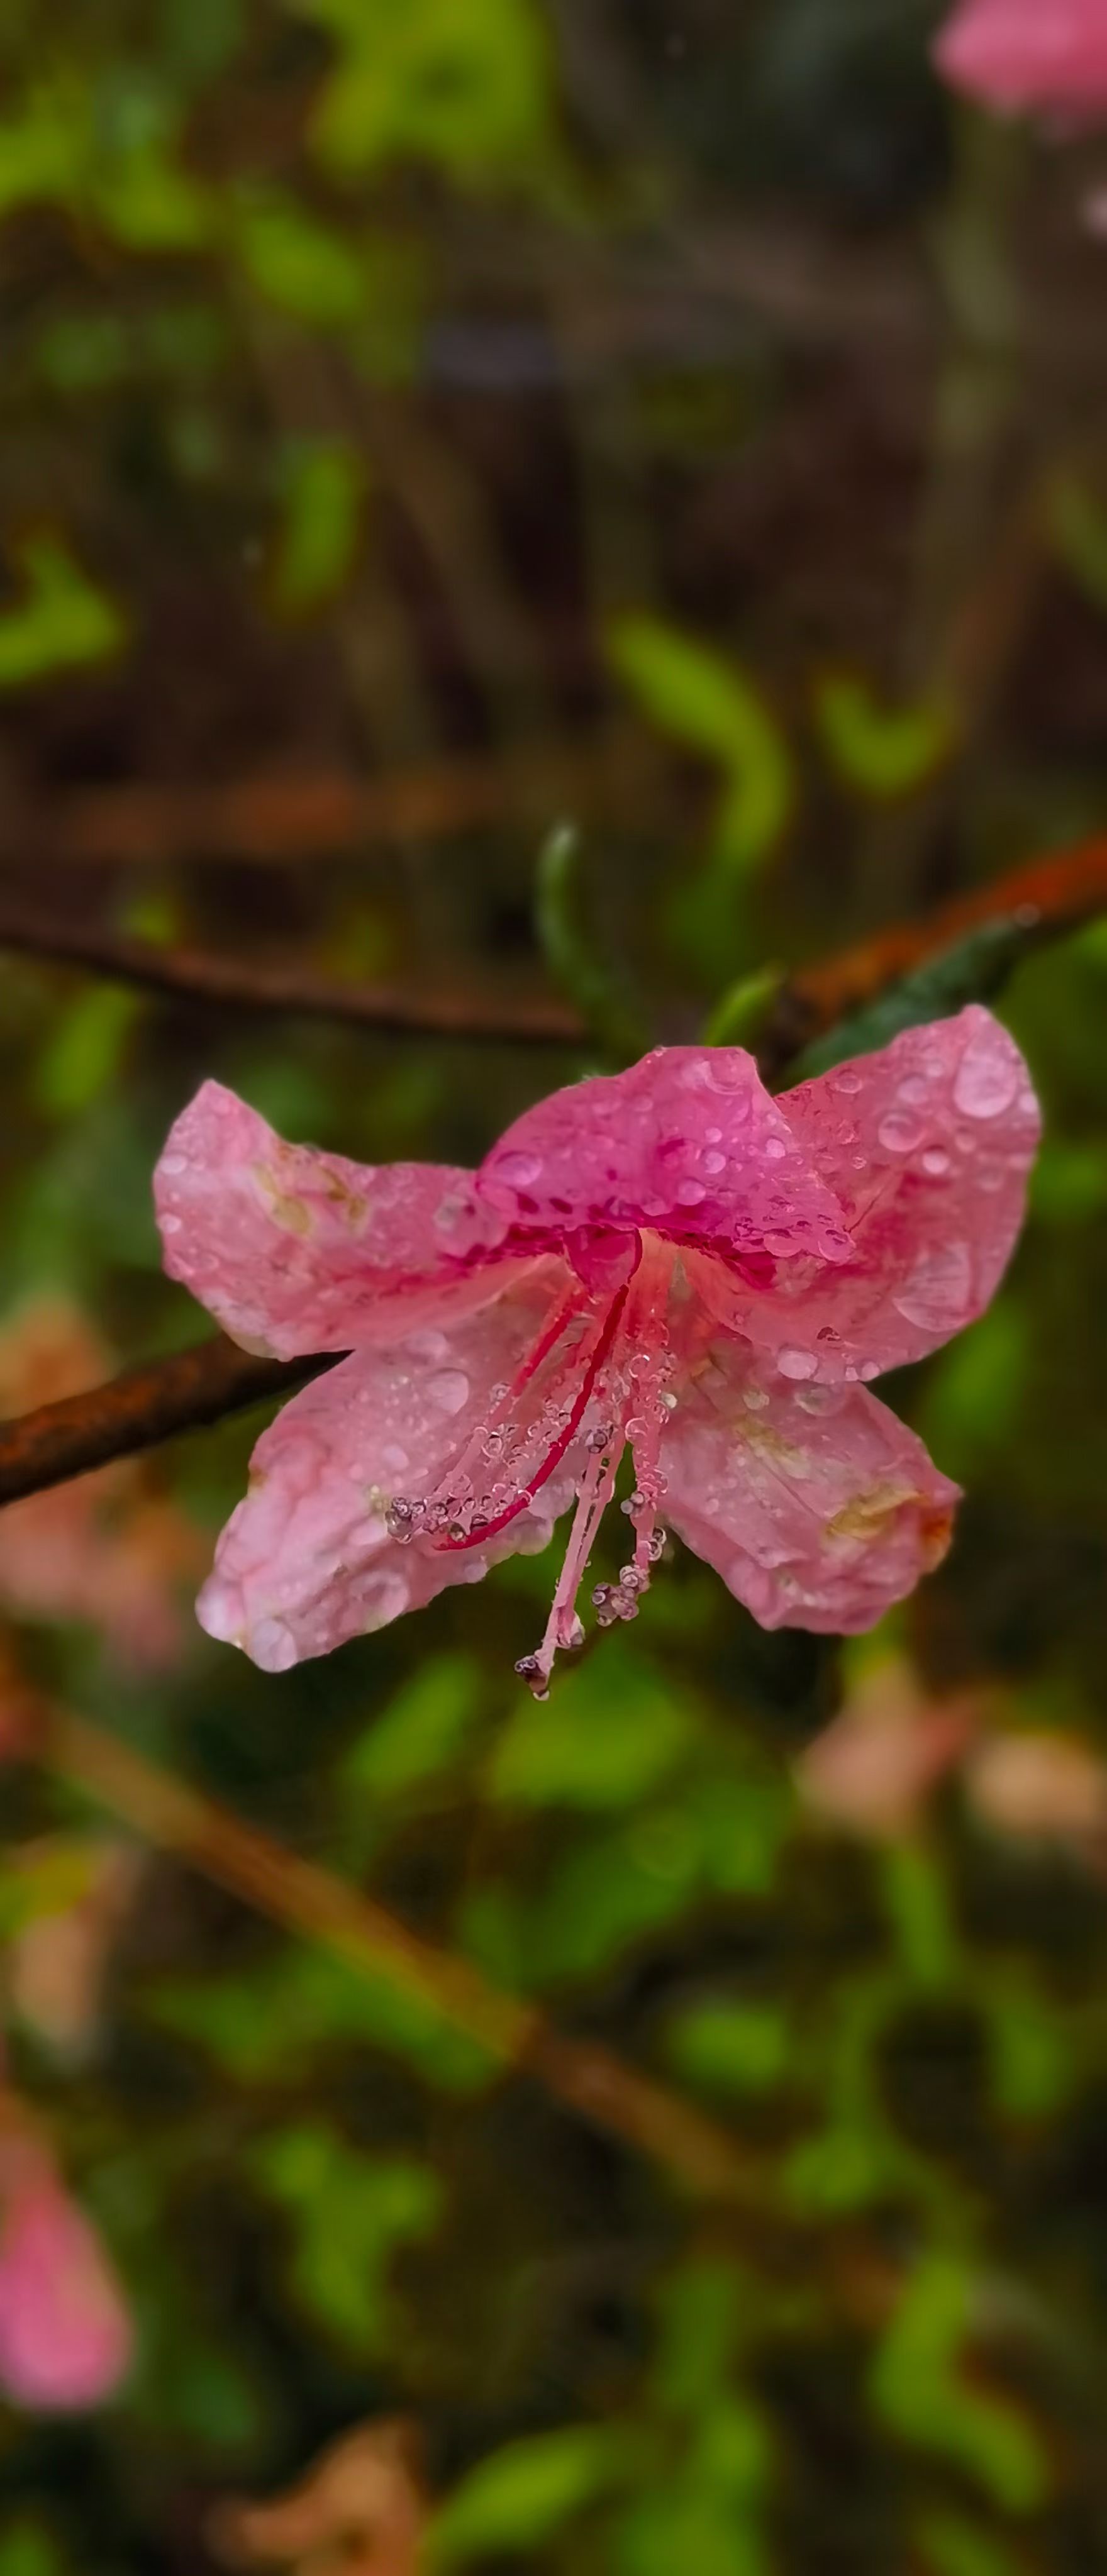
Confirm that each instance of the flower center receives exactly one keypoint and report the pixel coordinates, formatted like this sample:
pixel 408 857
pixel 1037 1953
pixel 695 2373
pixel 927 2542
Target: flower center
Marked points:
pixel 597 1377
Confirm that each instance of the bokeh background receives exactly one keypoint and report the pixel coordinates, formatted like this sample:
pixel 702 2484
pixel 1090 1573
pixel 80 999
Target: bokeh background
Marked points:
pixel 426 424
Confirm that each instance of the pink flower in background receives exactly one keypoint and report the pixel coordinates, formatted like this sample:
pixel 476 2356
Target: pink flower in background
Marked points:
pixel 104 1549
pixel 65 2335
pixel 874 1767
pixel 667 1260
pixel 1047 56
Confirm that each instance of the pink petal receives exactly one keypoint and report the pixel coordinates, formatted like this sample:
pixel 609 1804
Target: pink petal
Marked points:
pixel 306 1561
pixel 294 1250
pixel 65 2336
pixel 1048 55
pixel 688 1144
pixel 818 1508
pixel 927 1146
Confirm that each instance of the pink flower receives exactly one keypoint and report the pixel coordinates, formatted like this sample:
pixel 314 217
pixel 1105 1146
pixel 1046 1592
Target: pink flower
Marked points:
pixel 65 2335
pixel 667 1259
pixel 1048 56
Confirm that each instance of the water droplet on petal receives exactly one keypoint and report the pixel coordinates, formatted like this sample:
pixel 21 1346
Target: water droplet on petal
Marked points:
pixel 449 1390
pixel 395 1458
pixel 171 1225
pixel 938 1294
pixel 518 1170
pixel 381 1598
pixel 913 1091
pixel 900 1131
pixel 795 1363
pixel 935 1162
pixel 174 1164
pixel 987 1079
pixel 273 1646
pixel 690 1193
pixel 847 1080
pixel 714 1163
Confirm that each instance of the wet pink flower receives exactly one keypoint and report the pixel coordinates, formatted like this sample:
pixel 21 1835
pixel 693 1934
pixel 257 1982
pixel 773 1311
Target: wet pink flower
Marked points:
pixel 65 2335
pixel 1046 56
pixel 666 1260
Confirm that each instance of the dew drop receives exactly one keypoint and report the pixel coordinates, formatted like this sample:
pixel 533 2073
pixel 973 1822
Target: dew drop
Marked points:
pixel 935 1162
pixel 449 1390
pixel 847 1080
pixel 900 1131
pixel 913 1091
pixel 273 1646
pixel 171 1225
pixel 395 1458
pixel 380 1599
pixel 174 1164
pixel 518 1170
pixel 986 1081
pixel 795 1363
pixel 690 1193
pixel 714 1163
pixel 774 1149
pixel 938 1293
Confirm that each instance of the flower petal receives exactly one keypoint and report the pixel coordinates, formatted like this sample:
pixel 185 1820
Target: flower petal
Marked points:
pixel 688 1144
pixel 927 1146
pixel 294 1250
pixel 65 2334
pixel 1018 54
pixel 816 1505
pixel 306 1561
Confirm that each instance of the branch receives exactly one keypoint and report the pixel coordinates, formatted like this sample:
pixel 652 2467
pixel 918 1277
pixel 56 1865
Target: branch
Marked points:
pixel 139 1409
pixel 581 2075
pixel 233 984
pixel 1045 898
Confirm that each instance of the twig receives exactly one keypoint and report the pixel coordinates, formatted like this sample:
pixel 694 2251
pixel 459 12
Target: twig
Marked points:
pixel 585 2078
pixel 279 818
pixel 138 1410
pixel 195 975
pixel 1050 895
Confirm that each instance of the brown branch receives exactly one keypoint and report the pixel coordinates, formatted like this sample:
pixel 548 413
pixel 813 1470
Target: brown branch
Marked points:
pixel 580 2075
pixel 279 818
pixel 227 983
pixel 140 1409
pixel 1054 895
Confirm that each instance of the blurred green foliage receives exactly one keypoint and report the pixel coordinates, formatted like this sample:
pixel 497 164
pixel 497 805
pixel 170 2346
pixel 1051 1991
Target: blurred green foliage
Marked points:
pixel 435 435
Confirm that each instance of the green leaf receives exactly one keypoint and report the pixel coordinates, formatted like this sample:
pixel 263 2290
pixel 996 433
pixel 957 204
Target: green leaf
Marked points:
pixel 613 1730
pixel 348 2215
pixel 738 1017
pixel 422 1733
pixel 85 1051
pixel 62 621
pixel 712 707
pixel 730 2048
pixel 973 970
pixel 570 946
pixel 303 267
pixel 523 2495
pixel 922 2389
pixel 884 751
pixel 324 485
pixel 28 2549
pixel 953 2547
pixel 467 89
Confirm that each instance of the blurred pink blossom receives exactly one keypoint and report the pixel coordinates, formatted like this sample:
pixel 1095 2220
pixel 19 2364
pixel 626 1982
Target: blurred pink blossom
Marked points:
pixel 65 2334
pixel 874 1767
pixel 668 1260
pixel 104 1548
pixel 1038 1786
pixel 1046 56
